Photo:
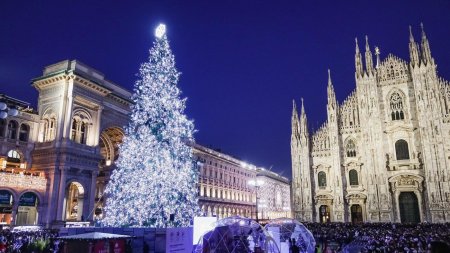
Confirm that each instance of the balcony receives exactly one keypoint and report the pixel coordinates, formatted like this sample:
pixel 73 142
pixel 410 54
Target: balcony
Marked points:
pixel 21 180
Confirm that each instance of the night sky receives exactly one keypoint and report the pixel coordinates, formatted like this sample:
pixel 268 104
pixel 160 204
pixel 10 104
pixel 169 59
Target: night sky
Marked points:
pixel 242 61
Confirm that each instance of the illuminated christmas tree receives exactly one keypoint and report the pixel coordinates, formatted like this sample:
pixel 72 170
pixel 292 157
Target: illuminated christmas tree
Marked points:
pixel 154 184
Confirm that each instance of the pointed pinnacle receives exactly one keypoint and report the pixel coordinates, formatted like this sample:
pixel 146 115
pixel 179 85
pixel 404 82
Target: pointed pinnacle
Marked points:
pixel 303 107
pixel 294 111
pixel 329 78
pixel 357 47
pixel 367 44
pixel 411 37
pixel 423 31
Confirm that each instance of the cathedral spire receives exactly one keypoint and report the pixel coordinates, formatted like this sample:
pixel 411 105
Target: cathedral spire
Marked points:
pixel 358 61
pixel 369 60
pixel 330 91
pixel 413 50
pixel 330 83
pixel 426 53
pixel 303 121
pixel 295 121
pixel 302 110
pixel 411 37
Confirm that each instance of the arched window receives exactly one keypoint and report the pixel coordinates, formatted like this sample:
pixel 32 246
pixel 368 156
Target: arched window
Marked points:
pixel 2 127
pixel 322 178
pixel 12 129
pixel 353 176
pixel 73 132
pixel 49 128
pixel 79 130
pixel 396 105
pixel 350 148
pixel 401 150
pixel 13 156
pixel 24 131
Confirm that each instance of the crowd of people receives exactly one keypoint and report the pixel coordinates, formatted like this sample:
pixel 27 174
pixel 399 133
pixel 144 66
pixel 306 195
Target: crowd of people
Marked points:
pixel 34 241
pixel 330 237
pixel 381 237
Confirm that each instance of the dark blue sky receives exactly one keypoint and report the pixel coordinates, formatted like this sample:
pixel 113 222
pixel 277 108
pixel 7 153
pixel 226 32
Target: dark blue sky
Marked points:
pixel 242 61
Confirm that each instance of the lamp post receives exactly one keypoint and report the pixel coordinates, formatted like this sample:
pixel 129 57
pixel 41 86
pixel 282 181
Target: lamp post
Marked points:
pixel 256 183
pixel 5 111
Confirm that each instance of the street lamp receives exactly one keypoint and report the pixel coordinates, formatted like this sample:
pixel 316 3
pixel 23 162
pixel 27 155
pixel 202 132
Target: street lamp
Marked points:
pixel 5 111
pixel 256 183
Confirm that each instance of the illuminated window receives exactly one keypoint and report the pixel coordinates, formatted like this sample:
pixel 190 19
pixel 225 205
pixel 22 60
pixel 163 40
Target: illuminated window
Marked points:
pixel 13 156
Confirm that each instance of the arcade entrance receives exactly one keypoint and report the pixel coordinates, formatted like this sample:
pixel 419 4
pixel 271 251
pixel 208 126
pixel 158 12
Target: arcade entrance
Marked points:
pixel 74 202
pixel 27 213
pixel 6 207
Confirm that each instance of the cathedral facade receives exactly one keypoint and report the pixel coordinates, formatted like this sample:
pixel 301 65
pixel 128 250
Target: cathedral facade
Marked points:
pixel 384 153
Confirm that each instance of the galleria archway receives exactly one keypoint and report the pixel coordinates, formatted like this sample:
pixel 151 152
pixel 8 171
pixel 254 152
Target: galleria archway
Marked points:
pixel 74 202
pixel 6 206
pixel 27 213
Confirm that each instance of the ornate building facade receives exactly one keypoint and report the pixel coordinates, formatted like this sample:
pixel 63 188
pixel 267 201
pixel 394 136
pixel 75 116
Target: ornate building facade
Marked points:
pixel 225 190
pixel 274 196
pixel 56 161
pixel 384 153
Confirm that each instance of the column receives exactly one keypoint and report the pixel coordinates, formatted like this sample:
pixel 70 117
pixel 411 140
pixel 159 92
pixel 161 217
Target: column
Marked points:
pixel 14 212
pixel 92 196
pixel 61 194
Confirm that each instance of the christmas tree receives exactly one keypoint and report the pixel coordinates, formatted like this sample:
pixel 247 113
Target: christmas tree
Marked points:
pixel 154 184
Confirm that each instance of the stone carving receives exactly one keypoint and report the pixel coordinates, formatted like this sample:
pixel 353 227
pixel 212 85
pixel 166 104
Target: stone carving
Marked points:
pixel 406 180
pixel 419 157
pixel 387 161
pixel 373 202
pixel 384 201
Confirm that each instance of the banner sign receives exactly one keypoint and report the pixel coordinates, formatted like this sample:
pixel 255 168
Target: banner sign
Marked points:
pixel 5 197
pixel 179 240
pixel 28 199
pixel 6 209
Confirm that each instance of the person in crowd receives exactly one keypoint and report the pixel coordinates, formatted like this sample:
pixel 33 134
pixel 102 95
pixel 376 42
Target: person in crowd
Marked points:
pixel 28 241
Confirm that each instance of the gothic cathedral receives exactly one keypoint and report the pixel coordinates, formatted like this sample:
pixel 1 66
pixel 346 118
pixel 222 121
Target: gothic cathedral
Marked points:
pixel 383 154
